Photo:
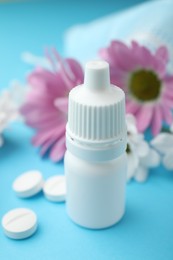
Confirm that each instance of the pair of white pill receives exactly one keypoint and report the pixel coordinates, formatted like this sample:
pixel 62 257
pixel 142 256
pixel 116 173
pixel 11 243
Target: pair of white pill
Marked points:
pixel 21 223
pixel 31 183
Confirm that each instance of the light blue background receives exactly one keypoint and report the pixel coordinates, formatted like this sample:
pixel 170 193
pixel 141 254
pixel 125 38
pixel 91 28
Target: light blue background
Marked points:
pixel 146 231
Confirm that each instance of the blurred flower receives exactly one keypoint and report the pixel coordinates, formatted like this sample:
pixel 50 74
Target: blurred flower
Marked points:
pixel 36 61
pixel 163 143
pixel 140 155
pixel 10 101
pixel 46 105
pixel 142 75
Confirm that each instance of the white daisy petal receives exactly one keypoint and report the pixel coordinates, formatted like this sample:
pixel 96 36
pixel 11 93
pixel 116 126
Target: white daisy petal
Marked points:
pixel 10 101
pixel 151 160
pixel 131 124
pixel 140 155
pixel 131 129
pixel 141 174
pixel 163 142
pixel 130 119
pixel 18 92
pixel 168 160
pixel 133 163
pixel 136 137
pixel 142 149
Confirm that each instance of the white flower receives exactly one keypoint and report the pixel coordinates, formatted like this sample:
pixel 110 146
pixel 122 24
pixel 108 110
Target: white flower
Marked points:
pixel 163 143
pixel 140 155
pixel 10 101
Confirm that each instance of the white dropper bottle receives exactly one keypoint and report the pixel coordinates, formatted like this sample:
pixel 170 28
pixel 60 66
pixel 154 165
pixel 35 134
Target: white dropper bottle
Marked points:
pixel 95 160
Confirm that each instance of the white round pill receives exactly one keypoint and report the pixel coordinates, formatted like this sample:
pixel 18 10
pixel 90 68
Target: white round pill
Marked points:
pixel 28 184
pixel 19 223
pixel 55 188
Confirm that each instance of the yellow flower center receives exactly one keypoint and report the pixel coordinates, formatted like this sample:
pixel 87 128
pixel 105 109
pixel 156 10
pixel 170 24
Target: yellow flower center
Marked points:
pixel 145 85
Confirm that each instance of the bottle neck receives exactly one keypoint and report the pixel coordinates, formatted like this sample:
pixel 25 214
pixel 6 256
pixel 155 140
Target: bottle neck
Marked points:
pixel 96 153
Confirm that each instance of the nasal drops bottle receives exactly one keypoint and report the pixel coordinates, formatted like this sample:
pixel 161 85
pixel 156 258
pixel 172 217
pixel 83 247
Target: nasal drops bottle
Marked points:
pixel 95 160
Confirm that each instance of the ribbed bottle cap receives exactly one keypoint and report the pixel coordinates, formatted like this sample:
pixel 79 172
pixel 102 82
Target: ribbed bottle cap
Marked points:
pixel 96 108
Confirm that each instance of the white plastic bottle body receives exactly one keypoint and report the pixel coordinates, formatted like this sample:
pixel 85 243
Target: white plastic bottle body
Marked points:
pixel 95 190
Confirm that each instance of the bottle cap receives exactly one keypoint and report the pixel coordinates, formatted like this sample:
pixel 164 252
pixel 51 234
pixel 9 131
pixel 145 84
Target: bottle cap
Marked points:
pixel 96 108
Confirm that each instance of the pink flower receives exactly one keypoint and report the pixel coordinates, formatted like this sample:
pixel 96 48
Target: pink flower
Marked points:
pixel 46 106
pixel 142 75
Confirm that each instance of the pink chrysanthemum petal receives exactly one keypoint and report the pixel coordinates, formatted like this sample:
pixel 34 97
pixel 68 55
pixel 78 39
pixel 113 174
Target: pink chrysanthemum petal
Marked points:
pixel 45 82
pixel 46 146
pixel 62 104
pixel 50 142
pixel 70 70
pixel 147 60
pixel 143 55
pixel 134 67
pixel 46 105
pixel 58 150
pixel 132 107
pixel 144 117
pixel 43 136
pixel 167 114
pixel 168 81
pixel 105 55
pixel 167 93
pixel 36 117
pixel 123 56
pixel 117 78
pixel 168 101
pixel 77 71
pixel 162 54
pixel 157 120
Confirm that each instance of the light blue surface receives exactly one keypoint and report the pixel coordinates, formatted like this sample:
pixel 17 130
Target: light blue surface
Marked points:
pixel 146 231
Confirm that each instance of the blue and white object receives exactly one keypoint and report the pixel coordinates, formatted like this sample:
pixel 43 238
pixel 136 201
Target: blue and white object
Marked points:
pixel 95 161
pixel 149 23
